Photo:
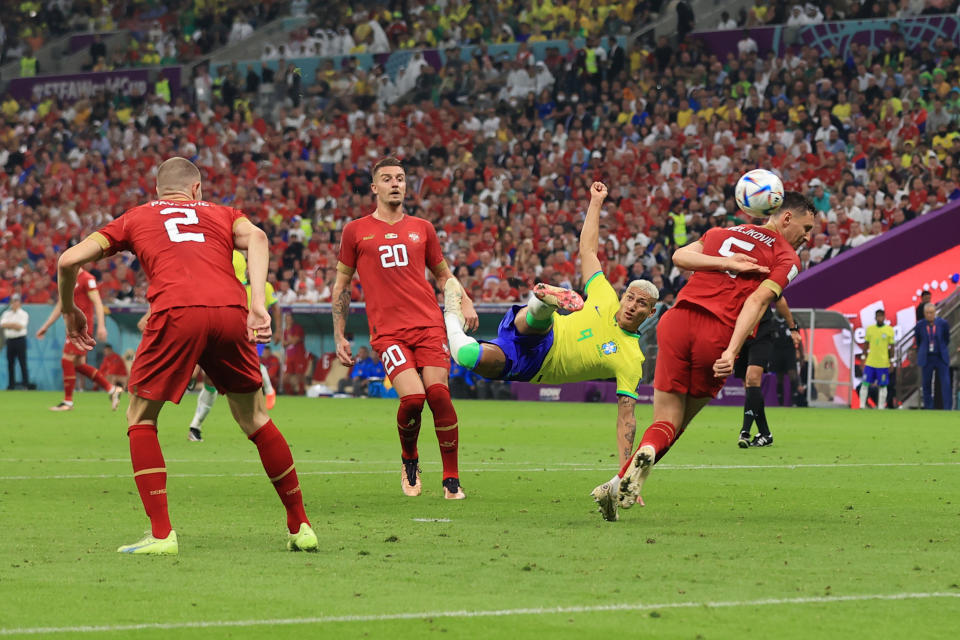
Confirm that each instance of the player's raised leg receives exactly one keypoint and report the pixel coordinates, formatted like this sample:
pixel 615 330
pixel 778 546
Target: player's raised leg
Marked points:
pixel 113 390
pixel 250 412
pixel 150 475
pixel 486 358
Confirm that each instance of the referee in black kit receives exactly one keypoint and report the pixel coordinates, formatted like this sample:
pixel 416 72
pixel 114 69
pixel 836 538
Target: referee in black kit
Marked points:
pixel 753 361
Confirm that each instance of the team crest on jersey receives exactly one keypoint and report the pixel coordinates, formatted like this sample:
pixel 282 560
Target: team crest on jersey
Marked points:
pixel 390 236
pixel 607 348
pixel 413 235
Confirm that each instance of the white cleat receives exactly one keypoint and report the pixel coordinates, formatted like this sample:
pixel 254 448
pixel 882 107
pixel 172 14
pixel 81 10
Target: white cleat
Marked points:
pixel 115 394
pixel 606 501
pixel 637 473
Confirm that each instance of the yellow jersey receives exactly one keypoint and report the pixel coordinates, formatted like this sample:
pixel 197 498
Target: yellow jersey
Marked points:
pixel 590 345
pixel 879 339
pixel 240 270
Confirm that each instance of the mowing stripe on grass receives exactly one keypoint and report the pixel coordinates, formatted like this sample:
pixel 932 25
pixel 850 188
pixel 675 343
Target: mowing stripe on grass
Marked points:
pixel 496 613
pixel 531 469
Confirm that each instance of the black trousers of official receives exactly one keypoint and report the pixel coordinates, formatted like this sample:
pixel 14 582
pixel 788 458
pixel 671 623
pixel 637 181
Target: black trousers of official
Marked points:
pixel 17 350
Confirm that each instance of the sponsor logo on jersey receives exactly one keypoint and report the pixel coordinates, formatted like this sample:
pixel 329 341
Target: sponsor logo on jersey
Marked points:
pixel 413 235
pixel 369 237
pixel 390 236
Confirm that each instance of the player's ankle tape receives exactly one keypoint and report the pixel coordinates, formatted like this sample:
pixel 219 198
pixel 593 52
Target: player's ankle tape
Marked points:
pixel 538 323
pixel 469 355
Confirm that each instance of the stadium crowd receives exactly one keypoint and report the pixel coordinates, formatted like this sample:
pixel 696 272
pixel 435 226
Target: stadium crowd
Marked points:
pixel 872 137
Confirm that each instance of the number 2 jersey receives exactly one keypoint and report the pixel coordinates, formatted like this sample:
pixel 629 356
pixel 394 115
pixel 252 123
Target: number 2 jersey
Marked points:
pixel 185 249
pixel 391 260
pixel 722 293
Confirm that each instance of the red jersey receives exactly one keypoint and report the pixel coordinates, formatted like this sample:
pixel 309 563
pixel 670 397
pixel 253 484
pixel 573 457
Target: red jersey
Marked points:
pixel 723 294
pixel 81 295
pixel 113 365
pixel 186 250
pixel 391 260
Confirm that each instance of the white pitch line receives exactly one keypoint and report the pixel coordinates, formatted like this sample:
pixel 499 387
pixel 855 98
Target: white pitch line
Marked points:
pixel 495 613
pixel 531 469
pixel 431 519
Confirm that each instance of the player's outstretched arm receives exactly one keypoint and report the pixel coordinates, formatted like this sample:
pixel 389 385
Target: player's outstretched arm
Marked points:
pixel 590 233
pixel 341 307
pixel 254 240
pixel 784 310
pixel 693 258
pixel 753 309
pixel 42 331
pixel 68 269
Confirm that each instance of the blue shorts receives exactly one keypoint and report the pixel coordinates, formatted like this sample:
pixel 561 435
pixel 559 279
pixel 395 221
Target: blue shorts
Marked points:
pixel 524 354
pixel 260 347
pixel 879 376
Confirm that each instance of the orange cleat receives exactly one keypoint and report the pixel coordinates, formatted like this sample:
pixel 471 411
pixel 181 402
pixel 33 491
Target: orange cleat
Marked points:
pixel 558 297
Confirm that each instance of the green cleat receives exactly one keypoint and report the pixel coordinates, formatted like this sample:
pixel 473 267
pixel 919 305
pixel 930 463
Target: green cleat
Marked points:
pixel 154 546
pixel 303 540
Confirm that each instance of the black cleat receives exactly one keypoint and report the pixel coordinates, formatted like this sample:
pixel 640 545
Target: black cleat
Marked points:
pixel 762 441
pixel 410 477
pixel 194 435
pixel 744 440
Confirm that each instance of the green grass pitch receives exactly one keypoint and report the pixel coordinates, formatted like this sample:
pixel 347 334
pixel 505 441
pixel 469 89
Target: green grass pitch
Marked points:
pixel 846 528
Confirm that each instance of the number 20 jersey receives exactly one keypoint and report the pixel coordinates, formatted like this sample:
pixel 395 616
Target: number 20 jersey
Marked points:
pixel 723 294
pixel 391 260
pixel 185 249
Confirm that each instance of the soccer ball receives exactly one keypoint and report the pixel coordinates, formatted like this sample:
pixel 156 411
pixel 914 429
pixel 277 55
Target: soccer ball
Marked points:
pixel 759 192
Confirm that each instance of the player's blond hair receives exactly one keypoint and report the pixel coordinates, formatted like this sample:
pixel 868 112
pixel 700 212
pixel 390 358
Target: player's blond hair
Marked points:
pixel 176 174
pixel 645 287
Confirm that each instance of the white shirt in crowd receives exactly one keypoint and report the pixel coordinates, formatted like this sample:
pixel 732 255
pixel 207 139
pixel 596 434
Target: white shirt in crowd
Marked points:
pixel 19 317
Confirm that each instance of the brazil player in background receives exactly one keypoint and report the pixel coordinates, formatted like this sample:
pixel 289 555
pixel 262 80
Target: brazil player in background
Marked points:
pixel 208 394
pixel 597 341
pixel 878 347
pixel 391 252
pixel 198 314
pixel 738 272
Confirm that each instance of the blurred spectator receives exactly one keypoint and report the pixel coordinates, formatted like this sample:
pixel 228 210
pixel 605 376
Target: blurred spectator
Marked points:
pixel 364 370
pixel 113 367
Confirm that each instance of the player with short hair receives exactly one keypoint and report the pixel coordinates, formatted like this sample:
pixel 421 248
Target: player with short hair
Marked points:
pixel 390 251
pixel 878 348
pixel 739 272
pixel 198 314
pixel 86 298
pixel 208 394
pixel 597 341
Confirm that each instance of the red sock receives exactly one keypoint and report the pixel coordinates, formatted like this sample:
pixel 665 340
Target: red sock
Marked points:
pixel 95 375
pixel 445 424
pixel 408 424
pixel 278 463
pixel 660 435
pixel 69 379
pixel 150 474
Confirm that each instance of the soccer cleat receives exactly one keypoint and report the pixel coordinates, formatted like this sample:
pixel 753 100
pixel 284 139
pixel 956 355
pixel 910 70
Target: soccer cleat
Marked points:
pixel 558 297
pixel 194 435
pixel 760 440
pixel 63 406
pixel 154 546
pixel 410 478
pixel 606 502
pixel 303 540
pixel 744 440
pixel 452 490
pixel 271 399
pixel 632 482
pixel 115 394
pixel 452 299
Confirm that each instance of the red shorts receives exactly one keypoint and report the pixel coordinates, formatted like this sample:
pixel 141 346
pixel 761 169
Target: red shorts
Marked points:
pixel 414 349
pixel 689 341
pixel 295 365
pixel 70 350
pixel 177 339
